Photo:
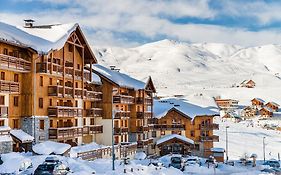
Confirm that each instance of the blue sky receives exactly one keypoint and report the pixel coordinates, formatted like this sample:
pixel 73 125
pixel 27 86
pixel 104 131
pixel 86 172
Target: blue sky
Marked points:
pixel 128 23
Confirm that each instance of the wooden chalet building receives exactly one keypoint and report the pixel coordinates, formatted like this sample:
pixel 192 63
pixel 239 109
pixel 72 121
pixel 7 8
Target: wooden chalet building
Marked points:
pixel 131 102
pixel 257 103
pixel 44 88
pixel 248 84
pixel 173 116
pixel 272 105
pixel 227 104
pixel 266 112
pixel 248 112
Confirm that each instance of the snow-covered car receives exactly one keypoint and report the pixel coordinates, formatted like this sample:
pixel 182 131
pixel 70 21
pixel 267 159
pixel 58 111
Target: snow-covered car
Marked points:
pixel 52 166
pixel 272 163
pixel 272 170
pixel 211 161
pixel 192 161
pixel 177 162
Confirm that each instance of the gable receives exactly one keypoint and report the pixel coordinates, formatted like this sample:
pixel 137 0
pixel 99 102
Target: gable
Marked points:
pixel 150 86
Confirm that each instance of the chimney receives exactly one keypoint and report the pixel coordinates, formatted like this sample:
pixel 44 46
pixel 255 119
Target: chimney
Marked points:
pixel 112 67
pixel 28 23
pixel 177 105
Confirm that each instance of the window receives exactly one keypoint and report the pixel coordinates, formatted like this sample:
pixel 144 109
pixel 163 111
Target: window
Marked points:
pixel 51 81
pixel 76 103
pixel 41 124
pixel 78 66
pixel 40 102
pixel 2 75
pixel 51 123
pixel 2 100
pixel 92 121
pixel 50 102
pixel 41 81
pixel 16 78
pixel 16 123
pixel 76 84
pixel 154 134
pixel 70 48
pixel 76 122
pixel 84 106
pixel 84 121
pixel 192 133
pixel 2 122
pixel 16 101
pixel 5 51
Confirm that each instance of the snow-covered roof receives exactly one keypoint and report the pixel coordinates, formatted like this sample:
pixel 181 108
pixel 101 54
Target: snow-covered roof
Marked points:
pixel 5 128
pixel 96 79
pixel 275 104
pixel 163 106
pixel 118 78
pixel 22 136
pixel 172 136
pixel 259 99
pixel 39 39
pixel 219 150
pixel 6 138
pixel 50 147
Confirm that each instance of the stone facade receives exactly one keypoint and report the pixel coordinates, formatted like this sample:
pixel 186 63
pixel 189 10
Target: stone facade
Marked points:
pixel 6 147
pixel 31 125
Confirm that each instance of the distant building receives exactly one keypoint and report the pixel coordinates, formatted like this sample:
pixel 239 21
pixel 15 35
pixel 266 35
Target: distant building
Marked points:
pixel 248 84
pixel 266 112
pixel 272 105
pixel 248 112
pixel 257 103
pixel 227 104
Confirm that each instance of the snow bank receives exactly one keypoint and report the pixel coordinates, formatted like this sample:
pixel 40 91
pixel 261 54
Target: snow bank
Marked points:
pixel 85 148
pixel 22 136
pixel 140 156
pixel 50 147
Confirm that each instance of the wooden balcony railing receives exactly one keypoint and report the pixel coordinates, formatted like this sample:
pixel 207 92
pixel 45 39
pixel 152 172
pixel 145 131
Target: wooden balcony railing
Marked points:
pixel 213 138
pixel 68 91
pixel 93 95
pixel 9 86
pixel 141 129
pixel 143 143
pixel 65 133
pixel 69 71
pixel 142 115
pixel 94 112
pixel 47 67
pixel 211 126
pixel 78 74
pixel 141 100
pixel 14 63
pixel 125 99
pixel 64 111
pixel 93 129
pixel 119 131
pixel 122 114
pixel 3 111
pixel 168 127
pixel 55 90
pixel 78 93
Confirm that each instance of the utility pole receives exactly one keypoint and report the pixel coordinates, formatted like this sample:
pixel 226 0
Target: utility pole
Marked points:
pixel 226 143
pixel 112 135
pixel 263 142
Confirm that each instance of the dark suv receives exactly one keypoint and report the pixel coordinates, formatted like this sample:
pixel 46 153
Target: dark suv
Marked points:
pixel 177 162
pixel 51 166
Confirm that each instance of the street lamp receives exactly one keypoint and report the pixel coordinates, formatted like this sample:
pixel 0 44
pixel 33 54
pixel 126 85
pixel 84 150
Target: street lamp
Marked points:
pixel 263 142
pixel 112 134
pixel 226 143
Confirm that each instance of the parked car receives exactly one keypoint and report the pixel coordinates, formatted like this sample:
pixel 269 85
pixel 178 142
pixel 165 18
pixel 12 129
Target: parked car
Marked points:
pixel 272 170
pixel 192 161
pixel 177 162
pixel 272 163
pixel 51 166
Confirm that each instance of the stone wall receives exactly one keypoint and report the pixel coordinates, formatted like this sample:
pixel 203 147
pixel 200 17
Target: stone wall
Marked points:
pixel 6 147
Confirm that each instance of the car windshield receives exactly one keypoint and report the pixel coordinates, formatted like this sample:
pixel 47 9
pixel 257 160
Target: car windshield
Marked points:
pixel 176 160
pixel 46 167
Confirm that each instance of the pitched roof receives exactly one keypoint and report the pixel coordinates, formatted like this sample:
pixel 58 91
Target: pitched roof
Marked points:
pixel 42 39
pixel 118 78
pixel 22 136
pixel 174 136
pixel 259 99
pixel 275 104
pixel 190 110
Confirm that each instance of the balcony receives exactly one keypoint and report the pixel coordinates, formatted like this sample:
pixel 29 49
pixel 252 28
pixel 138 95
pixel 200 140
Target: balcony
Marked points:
pixel 9 86
pixel 69 72
pixel 51 68
pixel 144 143
pixel 124 99
pixel 141 129
pixel 168 127
pixel 68 91
pixel 65 133
pixel 212 126
pixel 119 131
pixel 92 129
pixel 64 111
pixel 93 95
pixel 142 115
pixel 14 63
pixel 122 114
pixel 78 93
pixel 78 74
pixel 141 100
pixel 3 111
pixel 55 90
pixel 94 112
pixel 213 138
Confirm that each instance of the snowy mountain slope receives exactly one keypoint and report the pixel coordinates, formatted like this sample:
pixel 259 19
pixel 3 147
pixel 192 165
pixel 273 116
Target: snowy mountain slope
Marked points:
pixel 210 69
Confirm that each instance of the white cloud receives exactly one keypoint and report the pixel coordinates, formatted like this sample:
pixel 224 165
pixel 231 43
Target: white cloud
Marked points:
pixel 150 19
